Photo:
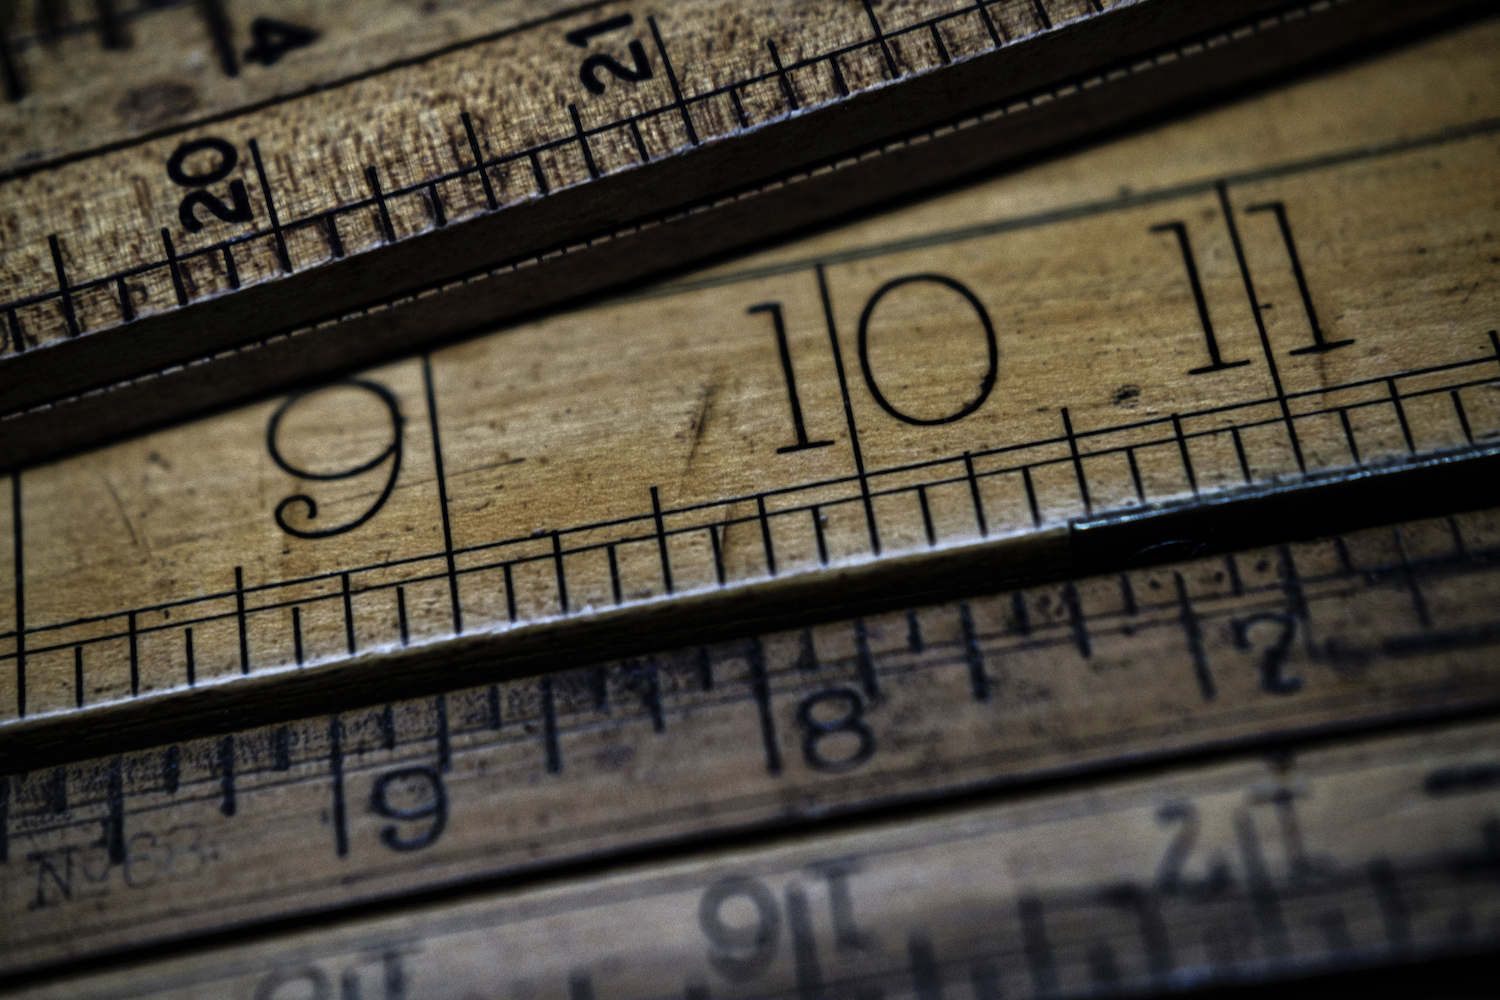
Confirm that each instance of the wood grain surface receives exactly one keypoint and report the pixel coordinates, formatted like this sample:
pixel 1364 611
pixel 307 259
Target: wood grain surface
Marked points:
pixel 975 377
pixel 161 253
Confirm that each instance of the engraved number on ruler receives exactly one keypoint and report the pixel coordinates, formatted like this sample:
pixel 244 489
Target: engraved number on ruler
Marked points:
pixel 392 452
pixel 588 71
pixel 226 157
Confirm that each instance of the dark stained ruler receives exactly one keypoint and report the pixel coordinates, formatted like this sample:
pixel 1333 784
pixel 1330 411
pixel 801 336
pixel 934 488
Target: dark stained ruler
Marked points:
pixel 1349 855
pixel 1253 648
pixel 316 231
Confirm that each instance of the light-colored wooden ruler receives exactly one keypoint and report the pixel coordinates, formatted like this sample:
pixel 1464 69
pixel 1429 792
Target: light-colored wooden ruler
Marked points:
pixel 328 204
pixel 1257 647
pixel 1247 870
pixel 976 385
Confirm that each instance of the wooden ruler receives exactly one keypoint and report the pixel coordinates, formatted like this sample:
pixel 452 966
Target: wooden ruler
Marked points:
pixel 1256 647
pixel 913 402
pixel 237 218
pixel 1228 873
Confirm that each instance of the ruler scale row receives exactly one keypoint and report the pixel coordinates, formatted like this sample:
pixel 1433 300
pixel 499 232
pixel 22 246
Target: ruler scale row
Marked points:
pixel 963 471
pixel 1341 856
pixel 815 413
pixel 540 165
pixel 1353 631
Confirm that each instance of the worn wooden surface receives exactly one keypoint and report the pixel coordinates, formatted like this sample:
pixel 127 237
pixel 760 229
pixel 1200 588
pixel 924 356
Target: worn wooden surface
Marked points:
pixel 642 458
pixel 1331 858
pixel 1347 633
pixel 361 194
pixel 1118 359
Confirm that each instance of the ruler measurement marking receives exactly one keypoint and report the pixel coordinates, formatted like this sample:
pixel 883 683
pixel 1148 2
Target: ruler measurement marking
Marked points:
pixel 15 334
pixel 227 803
pixel 336 773
pixel 1411 446
pixel 562 579
pixel 979 681
pixel 265 188
pixel 174 268
pixel 1463 417
pixel 1413 585
pixel 1182 450
pixel 666 62
pixel 135 662
pixel 18 566
pixel 885 49
pixel 1077 622
pixel 838 367
pixel 614 577
pixel 297 635
pixel 331 231
pixel 401 623
pixel 661 544
pixel 348 615
pixel 444 747
pixel 583 143
pixel 221 34
pixel 1221 188
pixel 761 692
pixel 1083 486
pixel 765 535
pixel 127 308
pixel 1042 15
pixel 549 726
pixel 244 635
pixel 171 769
pixel 978 501
pixel 442 487
pixel 115 826
pixel 713 536
pixel 792 103
pixel 869 678
pixel 192 663
pixel 927 527
pixel 1192 631
pixel 372 178
pixel 64 295
pixel 479 164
